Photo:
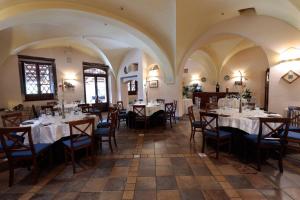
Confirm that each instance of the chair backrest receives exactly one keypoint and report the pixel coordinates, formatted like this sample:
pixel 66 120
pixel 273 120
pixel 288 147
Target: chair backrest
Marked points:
pixel 211 106
pixel 169 108
pixel 294 115
pixel 34 111
pixel 191 114
pixel 210 122
pixel 160 101
pixel 271 129
pixel 12 144
pixel 85 108
pixel 140 111
pixel 80 128
pixel 48 108
pixel 113 124
pixel 19 107
pixel 120 105
pixel 109 113
pixel 12 119
pixel 52 103
pixel 175 106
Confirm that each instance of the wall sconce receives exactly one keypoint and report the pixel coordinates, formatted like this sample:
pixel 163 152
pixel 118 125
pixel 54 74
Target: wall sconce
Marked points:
pixel 154 71
pixel 239 78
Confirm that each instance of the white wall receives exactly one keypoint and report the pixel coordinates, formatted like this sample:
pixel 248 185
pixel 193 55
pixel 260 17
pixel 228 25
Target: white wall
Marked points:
pixel 283 94
pixel 253 64
pixel 10 75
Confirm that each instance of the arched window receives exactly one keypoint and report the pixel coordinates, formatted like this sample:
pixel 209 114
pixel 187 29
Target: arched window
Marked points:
pixel 96 84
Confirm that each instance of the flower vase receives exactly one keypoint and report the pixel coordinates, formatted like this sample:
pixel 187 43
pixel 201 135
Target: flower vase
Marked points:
pixel 240 106
pixel 63 109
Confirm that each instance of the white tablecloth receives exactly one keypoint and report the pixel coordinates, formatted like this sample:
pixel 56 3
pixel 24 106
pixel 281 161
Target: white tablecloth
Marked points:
pixel 187 103
pixel 49 129
pixel 151 108
pixel 247 121
pixel 229 102
pixel 68 107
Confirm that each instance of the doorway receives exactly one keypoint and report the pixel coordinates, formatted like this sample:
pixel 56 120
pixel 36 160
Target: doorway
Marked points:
pixel 95 79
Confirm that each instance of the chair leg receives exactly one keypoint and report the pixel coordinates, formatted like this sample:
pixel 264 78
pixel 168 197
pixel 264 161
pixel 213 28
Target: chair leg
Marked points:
pixel 258 159
pixel 203 143
pixel 217 150
pixel 115 141
pixel 11 175
pixel 110 146
pixel 280 161
pixel 191 134
pixel 73 161
pixel 66 157
pixel 35 172
pixel 171 121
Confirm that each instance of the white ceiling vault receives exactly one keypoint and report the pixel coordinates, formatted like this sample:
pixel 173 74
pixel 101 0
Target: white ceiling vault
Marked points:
pixel 108 28
pixel 170 31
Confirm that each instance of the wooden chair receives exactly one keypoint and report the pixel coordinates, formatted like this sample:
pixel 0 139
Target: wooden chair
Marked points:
pixel 96 109
pixel 293 136
pixel 48 109
pixel 174 110
pixel 198 102
pixel 16 151
pixel 34 112
pixel 104 123
pixel 270 138
pixel 196 126
pixel 120 107
pixel 12 119
pixel 106 134
pixel 140 114
pixel 122 116
pixel 52 103
pixel 294 115
pixel 211 106
pixel 169 108
pixel 160 101
pixel 211 130
pixel 81 137
pixel 85 108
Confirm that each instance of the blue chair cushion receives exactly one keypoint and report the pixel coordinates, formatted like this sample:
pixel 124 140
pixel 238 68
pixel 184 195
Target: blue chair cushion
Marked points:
pixel 122 115
pixel 293 135
pixel 103 124
pixel 102 132
pixel 222 134
pixel 37 147
pixel 294 128
pixel 84 140
pixel 253 138
pixel 197 124
pixel 8 143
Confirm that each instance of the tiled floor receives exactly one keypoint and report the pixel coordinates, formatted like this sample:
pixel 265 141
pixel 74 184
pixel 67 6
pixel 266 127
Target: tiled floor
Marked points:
pixel 158 164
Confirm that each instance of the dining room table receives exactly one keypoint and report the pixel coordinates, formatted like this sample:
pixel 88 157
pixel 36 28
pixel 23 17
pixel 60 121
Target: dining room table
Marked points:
pixel 49 129
pixel 246 121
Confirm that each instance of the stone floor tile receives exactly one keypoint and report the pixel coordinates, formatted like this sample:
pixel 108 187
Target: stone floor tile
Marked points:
pixel 145 183
pixel 168 195
pixel 166 183
pixel 115 184
pixel 145 195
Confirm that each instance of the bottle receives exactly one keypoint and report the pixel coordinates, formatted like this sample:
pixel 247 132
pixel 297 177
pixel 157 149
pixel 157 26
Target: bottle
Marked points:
pixel 217 87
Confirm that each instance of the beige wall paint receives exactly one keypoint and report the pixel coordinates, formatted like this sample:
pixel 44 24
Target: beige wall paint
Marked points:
pixel 283 94
pixel 253 64
pixel 10 75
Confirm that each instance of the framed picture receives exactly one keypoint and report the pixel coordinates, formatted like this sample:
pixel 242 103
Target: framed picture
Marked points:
pixel 153 84
pixel 290 77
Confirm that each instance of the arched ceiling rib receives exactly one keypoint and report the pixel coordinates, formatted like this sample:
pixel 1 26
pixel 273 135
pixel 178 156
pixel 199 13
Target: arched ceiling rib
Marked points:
pixel 72 20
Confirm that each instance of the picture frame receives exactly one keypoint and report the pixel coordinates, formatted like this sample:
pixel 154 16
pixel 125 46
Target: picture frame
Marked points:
pixel 153 84
pixel 290 77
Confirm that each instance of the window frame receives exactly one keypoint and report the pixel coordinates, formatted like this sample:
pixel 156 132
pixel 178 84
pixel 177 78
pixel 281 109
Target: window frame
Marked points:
pixel 37 61
pixel 132 92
